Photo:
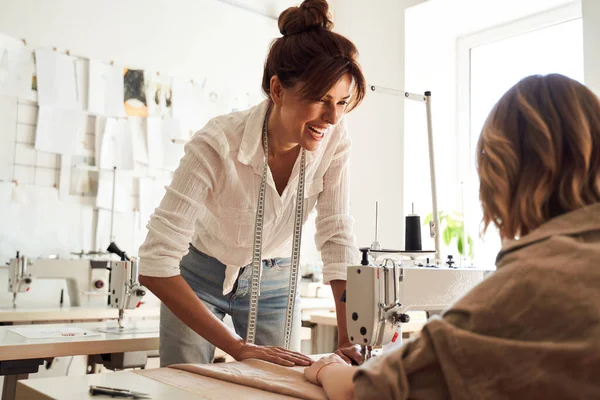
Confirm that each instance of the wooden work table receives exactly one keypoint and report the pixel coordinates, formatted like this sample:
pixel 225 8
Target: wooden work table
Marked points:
pixel 20 356
pixel 77 388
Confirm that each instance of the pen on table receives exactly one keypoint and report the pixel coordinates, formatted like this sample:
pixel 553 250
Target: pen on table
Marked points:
pixel 114 392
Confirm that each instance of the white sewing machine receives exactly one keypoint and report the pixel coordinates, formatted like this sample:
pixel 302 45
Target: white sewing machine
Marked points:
pixel 378 295
pixel 86 280
pixel 126 293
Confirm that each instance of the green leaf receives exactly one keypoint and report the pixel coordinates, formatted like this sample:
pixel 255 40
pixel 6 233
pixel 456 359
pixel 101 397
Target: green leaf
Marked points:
pixel 470 246
pixel 428 219
pixel 459 245
pixel 447 236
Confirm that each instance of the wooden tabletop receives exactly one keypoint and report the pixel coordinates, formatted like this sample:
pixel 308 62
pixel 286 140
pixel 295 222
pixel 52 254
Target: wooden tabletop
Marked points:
pixel 143 337
pixel 77 387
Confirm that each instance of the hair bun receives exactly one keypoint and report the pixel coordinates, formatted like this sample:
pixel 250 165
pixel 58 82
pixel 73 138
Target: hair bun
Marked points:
pixel 311 14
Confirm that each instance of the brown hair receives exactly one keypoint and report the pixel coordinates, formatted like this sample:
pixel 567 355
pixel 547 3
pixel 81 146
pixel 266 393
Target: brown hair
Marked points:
pixel 538 155
pixel 310 53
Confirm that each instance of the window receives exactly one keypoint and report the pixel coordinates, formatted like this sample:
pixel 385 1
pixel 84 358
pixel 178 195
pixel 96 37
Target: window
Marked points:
pixel 489 63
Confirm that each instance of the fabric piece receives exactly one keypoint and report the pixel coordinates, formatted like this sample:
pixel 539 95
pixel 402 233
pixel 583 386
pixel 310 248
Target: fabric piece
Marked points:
pixel 531 330
pixel 207 388
pixel 211 201
pixel 288 381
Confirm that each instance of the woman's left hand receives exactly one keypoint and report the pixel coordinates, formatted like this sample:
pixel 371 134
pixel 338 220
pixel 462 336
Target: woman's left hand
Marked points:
pixel 312 373
pixel 350 353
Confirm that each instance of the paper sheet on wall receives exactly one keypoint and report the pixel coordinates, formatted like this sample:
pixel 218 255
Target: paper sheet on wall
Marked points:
pixel 8 134
pixel 171 132
pixel 106 90
pixel 116 149
pixel 123 231
pixel 122 191
pixel 159 95
pixel 16 73
pixel 6 189
pixel 55 226
pixel 82 71
pixel 163 153
pixel 138 131
pixel 59 130
pixel 156 148
pixel 187 105
pixel 17 69
pixel 58 78
pixel 82 180
pixel 99 127
pixel 41 332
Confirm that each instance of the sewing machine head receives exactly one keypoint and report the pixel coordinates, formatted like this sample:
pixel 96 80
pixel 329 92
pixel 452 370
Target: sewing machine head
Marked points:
pixel 126 293
pixel 19 279
pixel 86 279
pixel 378 295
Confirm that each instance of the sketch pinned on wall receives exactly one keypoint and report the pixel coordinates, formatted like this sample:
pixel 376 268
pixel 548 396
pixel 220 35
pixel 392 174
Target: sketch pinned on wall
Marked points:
pixel 116 148
pixel 8 136
pixel 159 96
pixel 17 69
pixel 134 96
pixel 83 181
pixel 59 130
pixel 106 90
pixel 61 80
pixel 140 146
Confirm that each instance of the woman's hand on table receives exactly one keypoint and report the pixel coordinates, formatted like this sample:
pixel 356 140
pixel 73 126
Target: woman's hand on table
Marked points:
pixel 274 354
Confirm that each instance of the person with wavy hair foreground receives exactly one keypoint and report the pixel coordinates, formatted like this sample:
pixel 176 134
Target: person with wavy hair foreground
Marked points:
pixel 531 330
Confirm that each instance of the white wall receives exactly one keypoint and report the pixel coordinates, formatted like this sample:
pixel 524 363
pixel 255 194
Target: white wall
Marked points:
pixel 376 127
pixel 187 38
pixel 591 45
pixel 184 38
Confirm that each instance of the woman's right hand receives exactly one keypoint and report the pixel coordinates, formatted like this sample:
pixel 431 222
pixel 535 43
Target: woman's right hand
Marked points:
pixel 274 354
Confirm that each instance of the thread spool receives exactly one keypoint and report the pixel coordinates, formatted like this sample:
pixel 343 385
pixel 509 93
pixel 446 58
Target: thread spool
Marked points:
pixel 412 233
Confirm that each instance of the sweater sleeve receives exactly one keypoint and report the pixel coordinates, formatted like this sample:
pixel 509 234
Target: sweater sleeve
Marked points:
pixel 172 225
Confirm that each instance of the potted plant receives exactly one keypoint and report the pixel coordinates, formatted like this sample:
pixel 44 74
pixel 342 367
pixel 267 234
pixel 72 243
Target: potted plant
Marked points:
pixel 451 229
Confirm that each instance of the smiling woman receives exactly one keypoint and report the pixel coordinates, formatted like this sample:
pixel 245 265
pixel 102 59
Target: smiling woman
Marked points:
pixel 286 155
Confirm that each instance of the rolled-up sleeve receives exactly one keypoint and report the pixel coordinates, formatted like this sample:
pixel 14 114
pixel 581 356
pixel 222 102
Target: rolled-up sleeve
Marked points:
pixel 172 225
pixel 334 237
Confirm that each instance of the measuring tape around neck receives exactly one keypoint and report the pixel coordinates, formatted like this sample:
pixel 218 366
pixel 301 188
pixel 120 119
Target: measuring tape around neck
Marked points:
pixel 257 247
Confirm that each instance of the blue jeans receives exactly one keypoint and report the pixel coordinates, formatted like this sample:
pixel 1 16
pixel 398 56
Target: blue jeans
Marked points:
pixel 205 275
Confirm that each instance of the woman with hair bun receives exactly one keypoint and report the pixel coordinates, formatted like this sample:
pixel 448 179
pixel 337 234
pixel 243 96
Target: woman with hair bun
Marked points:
pixel 221 239
pixel 531 330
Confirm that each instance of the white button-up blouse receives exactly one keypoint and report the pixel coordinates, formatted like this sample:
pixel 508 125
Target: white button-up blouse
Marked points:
pixel 211 201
